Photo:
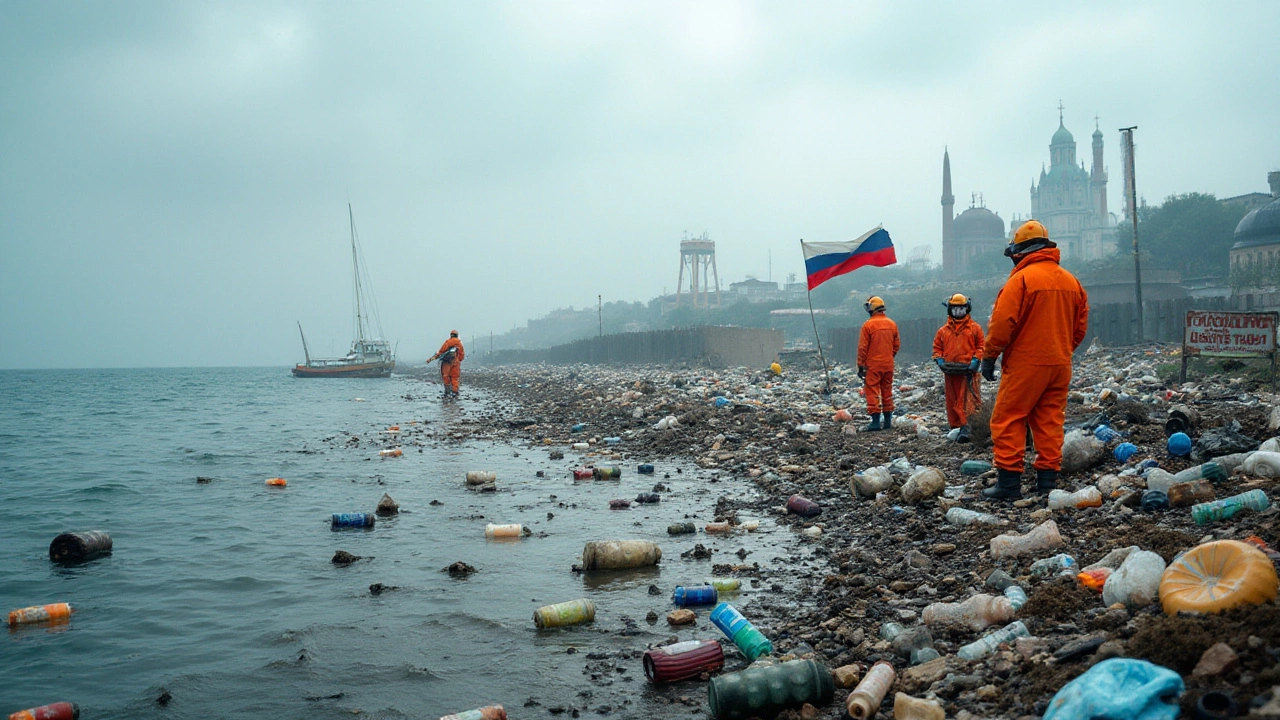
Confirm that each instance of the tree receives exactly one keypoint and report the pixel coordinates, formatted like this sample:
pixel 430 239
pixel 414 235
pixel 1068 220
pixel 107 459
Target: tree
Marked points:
pixel 1191 233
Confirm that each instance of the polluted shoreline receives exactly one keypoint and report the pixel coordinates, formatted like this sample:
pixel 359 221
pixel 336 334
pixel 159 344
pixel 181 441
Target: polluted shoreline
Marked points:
pixel 898 559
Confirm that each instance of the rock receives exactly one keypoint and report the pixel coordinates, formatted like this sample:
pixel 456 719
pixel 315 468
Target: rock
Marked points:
pixel 917 678
pixel 1109 649
pixel 379 588
pixel 1078 648
pixel 459 570
pixel 1029 647
pixel 342 558
pixel 902 586
pixel 698 552
pixel 987 693
pixel 808 712
pixel 387 506
pixel 944 548
pixel 651 618
pixel 846 676
pixel 917 559
pixel 681 617
pixel 1217 660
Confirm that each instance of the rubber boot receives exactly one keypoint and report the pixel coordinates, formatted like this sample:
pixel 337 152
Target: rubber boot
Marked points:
pixel 963 437
pixel 886 420
pixel 874 424
pixel 1046 480
pixel 1008 486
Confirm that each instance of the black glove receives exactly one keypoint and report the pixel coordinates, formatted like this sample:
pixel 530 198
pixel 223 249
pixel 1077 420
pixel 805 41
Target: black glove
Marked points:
pixel 862 373
pixel 989 369
pixel 940 362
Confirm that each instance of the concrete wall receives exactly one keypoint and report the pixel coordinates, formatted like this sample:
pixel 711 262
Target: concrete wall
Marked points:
pixel 709 345
pixel 916 337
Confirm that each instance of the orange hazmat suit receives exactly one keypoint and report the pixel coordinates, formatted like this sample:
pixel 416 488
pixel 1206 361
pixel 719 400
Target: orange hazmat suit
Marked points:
pixel 1040 317
pixel 959 341
pixel 451 372
pixel 877 345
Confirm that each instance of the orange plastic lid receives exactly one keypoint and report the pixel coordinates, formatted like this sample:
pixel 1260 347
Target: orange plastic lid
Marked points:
pixel 277 481
pixel 1218 576
pixel 1094 579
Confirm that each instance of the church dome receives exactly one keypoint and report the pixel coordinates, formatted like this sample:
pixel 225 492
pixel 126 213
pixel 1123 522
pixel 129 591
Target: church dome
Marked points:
pixel 978 223
pixel 1259 227
pixel 1063 136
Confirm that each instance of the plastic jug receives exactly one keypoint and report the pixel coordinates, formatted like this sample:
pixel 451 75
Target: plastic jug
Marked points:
pixel 681 528
pixel 764 691
pixel 964 516
pixel 513 530
pixel 1042 537
pixel 52 711
pixel 978 612
pixel 1060 564
pixel 979 649
pixel 1228 507
pixel 737 628
pixel 682 660
pixel 1137 582
pixel 52 613
pixel 923 484
pixel 865 699
pixel 488 712
pixel 571 612
pixel 871 481
pixel 619 554
pixel 1083 498
pixel 352 520
pixel 74 547
pixel 694 595
pixel 906 707
pixel 608 472
pixel 1190 493
pixel 802 506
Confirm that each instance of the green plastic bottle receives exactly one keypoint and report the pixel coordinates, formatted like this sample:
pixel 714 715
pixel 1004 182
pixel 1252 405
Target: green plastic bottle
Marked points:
pixel 974 467
pixel 768 690
pixel 1228 507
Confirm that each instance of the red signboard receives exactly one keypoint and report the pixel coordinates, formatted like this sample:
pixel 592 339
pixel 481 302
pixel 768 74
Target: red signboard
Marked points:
pixel 1230 334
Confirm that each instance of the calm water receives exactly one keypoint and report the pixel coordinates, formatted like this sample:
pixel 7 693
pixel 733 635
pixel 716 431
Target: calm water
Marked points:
pixel 224 595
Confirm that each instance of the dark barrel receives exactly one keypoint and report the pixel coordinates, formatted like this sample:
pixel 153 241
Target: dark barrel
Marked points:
pixel 74 547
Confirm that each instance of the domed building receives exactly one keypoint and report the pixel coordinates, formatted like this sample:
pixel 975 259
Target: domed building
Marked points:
pixel 976 234
pixel 1072 202
pixel 1257 245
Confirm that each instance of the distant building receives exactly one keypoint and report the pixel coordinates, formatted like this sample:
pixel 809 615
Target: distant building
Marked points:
pixel 1257 245
pixel 1072 202
pixel 754 290
pixel 977 233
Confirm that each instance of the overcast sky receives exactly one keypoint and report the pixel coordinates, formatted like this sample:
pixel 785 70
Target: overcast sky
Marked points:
pixel 174 176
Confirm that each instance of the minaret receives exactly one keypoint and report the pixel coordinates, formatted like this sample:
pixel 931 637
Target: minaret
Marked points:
pixel 948 217
pixel 1098 177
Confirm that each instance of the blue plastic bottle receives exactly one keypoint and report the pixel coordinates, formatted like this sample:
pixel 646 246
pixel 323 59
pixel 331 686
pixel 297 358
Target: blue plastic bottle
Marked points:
pixel 737 628
pixel 694 595
pixel 578 428
pixel 352 520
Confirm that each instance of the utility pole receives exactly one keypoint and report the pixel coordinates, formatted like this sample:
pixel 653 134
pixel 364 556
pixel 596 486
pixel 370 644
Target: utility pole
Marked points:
pixel 1131 186
pixel 600 313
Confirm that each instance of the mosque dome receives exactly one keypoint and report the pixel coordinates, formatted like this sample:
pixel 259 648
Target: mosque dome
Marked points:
pixel 978 223
pixel 1063 136
pixel 1260 227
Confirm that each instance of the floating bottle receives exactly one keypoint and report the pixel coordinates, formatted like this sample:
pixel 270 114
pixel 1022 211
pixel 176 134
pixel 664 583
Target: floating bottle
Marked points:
pixel 645 468
pixel 608 472
pixel 682 660
pixel 1190 493
pixel 1083 498
pixel 352 520
pixel 695 595
pixel 964 516
pixel 802 506
pixel 717 528
pixel 737 628
pixel 1042 537
pixel 619 554
pixel 52 711
pixel 767 690
pixel 74 547
pixel 572 612
pixel 648 498
pixel 681 528
pixel 906 707
pixel 481 477
pixel 513 530
pixel 978 612
pixel 54 613
pixel 583 473
pixel 1228 507
pixel 488 712
pixel 865 699
pixel 391 453
pixel 979 649
pixel 725 584
pixel 1060 564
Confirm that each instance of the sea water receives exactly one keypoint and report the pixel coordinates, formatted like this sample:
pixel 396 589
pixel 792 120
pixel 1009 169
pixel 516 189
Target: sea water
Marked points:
pixel 223 594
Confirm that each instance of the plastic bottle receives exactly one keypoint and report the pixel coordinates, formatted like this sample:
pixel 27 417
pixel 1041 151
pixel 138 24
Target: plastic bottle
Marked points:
pixel 648 498
pixel 682 660
pixel 73 547
pixel 725 584
pixel 488 712
pixel 974 467
pixel 52 613
pixel 1208 471
pixel 871 481
pixel 1190 493
pixel 765 691
pixel 352 520
pixel 572 612
pixel 1154 500
pixel 915 644
pixel 737 628
pixel 978 612
pixel 1137 582
pixel 480 477
pixel 1124 451
pixel 583 473
pixel 803 506
pixel 695 595
pixel 681 528
pixel 578 427
pixel 645 468
pixel 612 440
pixel 923 484
pixel 1160 480
pixel 513 530
pixel 980 648
pixel 1083 498
pixel 964 516
pixel 619 554
pixel 1017 597
pixel 718 528
pixel 1229 463
pixel 52 711
pixel 581 446
pixel 1060 564
pixel 1042 537
pixel 1228 507
pixel 608 472
pixel 391 453
pixel 750 525
pixel 906 707
pixel 865 699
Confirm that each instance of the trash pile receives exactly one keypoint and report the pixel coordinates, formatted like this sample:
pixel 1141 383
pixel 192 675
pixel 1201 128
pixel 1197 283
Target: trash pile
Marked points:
pixel 1148 577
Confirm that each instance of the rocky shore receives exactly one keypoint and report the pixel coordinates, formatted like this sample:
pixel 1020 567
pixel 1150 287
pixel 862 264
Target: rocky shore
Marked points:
pixel 883 559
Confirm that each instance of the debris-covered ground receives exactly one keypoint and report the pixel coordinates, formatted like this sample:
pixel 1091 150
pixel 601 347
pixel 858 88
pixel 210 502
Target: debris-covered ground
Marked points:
pixel 886 559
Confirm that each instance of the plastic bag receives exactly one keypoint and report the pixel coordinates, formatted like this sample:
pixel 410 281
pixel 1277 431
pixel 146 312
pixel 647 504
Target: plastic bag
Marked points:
pixel 1137 582
pixel 1119 688
pixel 1224 440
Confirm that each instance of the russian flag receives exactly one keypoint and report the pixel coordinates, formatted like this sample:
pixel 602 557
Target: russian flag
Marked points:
pixel 823 261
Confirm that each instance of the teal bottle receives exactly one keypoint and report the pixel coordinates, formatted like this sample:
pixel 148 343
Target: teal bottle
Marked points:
pixel 737 628
pixel 766 691
pixel 1228 507
pixel 974 467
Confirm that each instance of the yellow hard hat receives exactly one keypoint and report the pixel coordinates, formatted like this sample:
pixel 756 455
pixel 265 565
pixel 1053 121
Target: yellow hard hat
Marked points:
pixel 776 368
pixel 958 299
pixel 873 304
pixel 1029 237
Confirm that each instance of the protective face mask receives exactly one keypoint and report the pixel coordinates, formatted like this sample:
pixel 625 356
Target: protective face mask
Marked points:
pixel 957 312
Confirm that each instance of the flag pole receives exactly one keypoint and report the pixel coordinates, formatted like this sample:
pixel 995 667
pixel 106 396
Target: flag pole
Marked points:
pixel 826 371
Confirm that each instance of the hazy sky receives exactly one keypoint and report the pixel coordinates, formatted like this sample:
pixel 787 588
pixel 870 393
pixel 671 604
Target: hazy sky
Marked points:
pixel 174 175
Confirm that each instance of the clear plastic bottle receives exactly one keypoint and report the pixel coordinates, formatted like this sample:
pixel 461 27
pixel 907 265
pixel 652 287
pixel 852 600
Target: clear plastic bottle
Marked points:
pixel 865 699
pixel 1060 564
pixel 979 649
pixel 978 612
pixel 1083 498
pixel 1160 480
pixel 1137 582
pixel 1228 507
pixel 1208 471
pixel 1017 597
pixel 1042 537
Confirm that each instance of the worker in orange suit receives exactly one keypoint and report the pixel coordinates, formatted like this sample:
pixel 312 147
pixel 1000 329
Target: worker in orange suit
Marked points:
pixel 1039 319
pixel 957 349
pixel 451 356
pixel 877 346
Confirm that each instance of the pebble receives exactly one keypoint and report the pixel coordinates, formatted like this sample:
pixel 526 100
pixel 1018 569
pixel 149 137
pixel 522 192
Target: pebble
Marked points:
pixel 681 617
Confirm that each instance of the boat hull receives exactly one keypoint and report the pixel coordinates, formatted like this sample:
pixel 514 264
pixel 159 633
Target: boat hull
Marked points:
pixel 360 370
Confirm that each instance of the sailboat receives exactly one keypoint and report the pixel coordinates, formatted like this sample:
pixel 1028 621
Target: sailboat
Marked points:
pixel 369 357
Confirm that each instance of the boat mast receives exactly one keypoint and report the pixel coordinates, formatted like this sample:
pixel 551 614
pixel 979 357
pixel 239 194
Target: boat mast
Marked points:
pixel 355 267
pixel 305 352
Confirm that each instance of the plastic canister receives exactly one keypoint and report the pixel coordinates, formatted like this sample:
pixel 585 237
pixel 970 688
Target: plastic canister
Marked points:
pixel 982 647
pixel 52 711
pixel 695 595
pixel 619 554
pixel 681 528
pixel 1190 493
pixel 645 468
pixel 352 520
pixel 737 628
pixel 764 691
pixel 1229 507
pixel 608 472
pixel 583 473
pixel 488 712
pixel 513 530
pixel 803 506
pixel 52 613
pixel 865 699
pixel 682 660
pixel 571 612
pixel 1137 581
pixel 72 547
pixel 726 584
pixel 480 477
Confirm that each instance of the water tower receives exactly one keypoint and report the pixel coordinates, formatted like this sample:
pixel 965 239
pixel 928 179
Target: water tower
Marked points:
pixel 698 256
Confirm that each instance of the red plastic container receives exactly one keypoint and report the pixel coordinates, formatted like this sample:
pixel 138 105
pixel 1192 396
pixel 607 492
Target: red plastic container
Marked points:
pixel 803 506
pixel 583 473
pixel 682 660
pixel 52 711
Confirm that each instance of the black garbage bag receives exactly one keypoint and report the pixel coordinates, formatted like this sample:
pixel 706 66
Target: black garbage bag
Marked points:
pixel 1223 440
